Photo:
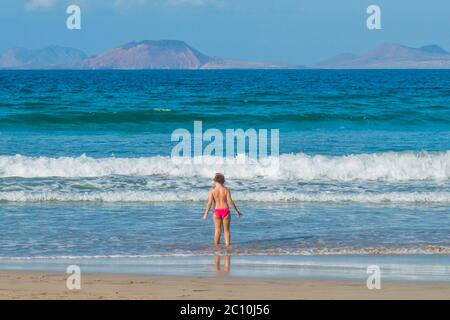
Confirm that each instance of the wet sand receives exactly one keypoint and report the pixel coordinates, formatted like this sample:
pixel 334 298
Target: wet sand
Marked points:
pixel 42 285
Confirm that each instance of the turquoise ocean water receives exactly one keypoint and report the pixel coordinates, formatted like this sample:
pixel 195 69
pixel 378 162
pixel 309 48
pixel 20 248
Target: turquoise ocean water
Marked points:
pixel 86 174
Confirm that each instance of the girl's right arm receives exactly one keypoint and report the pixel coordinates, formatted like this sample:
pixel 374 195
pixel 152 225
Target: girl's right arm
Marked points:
pixel 208 206
pixel 231 202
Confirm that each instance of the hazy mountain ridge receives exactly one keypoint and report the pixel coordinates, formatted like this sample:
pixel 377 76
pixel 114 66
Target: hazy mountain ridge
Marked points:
pixel 50 57
pixel 392 56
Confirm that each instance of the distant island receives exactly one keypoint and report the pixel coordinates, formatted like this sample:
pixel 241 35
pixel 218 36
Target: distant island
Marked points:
pixel 149 54
pixel 178 55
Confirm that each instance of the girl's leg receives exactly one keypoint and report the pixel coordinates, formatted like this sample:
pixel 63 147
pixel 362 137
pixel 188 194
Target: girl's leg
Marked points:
pixel 226 229
pixel 217 264
pixel 217 230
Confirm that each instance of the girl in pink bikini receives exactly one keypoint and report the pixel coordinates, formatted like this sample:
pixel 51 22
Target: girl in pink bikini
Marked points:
pixel 221 197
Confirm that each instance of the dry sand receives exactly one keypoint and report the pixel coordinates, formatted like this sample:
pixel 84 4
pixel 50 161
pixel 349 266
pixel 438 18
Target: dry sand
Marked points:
pixel 41 285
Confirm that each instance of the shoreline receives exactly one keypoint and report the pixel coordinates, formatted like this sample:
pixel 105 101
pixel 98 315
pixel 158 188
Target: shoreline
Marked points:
pixel 46 285
pixel 415 268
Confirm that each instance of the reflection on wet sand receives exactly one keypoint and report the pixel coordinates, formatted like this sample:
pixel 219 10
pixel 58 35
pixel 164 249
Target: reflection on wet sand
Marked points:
pixel 226 267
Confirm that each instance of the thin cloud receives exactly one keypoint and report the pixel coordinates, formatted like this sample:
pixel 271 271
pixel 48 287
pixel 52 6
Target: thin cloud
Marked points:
pixel 122 3
pixel 46 4
pixel 189 2
pixel 39 4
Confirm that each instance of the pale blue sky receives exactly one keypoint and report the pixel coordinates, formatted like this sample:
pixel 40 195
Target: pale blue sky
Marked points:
pixel 285 31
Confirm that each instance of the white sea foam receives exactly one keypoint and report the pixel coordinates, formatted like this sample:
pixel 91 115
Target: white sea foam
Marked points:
pixel 389 166
pixel 162 109
pixel 242 251
pixel 266 196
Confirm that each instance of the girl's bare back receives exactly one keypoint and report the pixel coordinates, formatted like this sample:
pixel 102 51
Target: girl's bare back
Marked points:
pixel 221 197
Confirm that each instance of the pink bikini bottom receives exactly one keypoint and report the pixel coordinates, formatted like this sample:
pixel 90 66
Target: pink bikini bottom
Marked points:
pixel 221 213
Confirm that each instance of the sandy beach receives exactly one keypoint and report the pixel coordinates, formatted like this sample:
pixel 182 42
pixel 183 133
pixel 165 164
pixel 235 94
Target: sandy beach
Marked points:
pixel 41 285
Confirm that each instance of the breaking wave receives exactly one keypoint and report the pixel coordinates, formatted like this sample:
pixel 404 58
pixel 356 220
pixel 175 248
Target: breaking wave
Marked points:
pixel 389 166
pixel 149 196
